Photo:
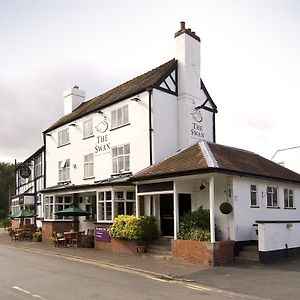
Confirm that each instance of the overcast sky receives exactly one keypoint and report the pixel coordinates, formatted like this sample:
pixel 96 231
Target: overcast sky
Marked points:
pixel 250 62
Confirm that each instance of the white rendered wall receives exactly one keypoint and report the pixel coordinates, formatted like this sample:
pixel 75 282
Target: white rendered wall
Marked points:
pixel 275 236
pixel 136 134
pixel 245 216
pixel 165 136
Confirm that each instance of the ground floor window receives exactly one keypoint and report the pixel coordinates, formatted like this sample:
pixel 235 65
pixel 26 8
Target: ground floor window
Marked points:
pixel 114 203
pixel 288 198
pixel 48 204
pixel 53 204
pixel 62 202
pixel 272 196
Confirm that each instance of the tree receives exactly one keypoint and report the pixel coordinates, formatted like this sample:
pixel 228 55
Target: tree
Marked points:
pixel 7 183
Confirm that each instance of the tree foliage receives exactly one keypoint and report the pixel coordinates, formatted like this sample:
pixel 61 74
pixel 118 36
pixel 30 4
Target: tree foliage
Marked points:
pixel 7 179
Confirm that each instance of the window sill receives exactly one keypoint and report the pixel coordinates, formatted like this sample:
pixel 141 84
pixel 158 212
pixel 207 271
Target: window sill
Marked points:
pixel 88 178
pixel 254 206
pixel 63 145
pixel 92 220
pixel 64 182
pixel 112 129
pixel 103 222
pixel 289 207
pixel 87 137
pixel 274 207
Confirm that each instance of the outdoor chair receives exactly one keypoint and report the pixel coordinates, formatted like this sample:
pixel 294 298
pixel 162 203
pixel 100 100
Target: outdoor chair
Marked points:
pixel 59 239
pixel 15 236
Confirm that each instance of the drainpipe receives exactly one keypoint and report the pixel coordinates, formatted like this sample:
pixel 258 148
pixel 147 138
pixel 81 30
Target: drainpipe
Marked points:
pixel 150 125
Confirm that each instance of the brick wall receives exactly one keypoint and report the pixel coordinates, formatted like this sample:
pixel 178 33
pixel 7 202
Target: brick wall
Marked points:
pixel 57 226
pixel 204 253
pixel 123 246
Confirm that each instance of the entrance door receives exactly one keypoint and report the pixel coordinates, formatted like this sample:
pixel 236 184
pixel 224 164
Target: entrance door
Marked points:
pixel 185 204
pixel 166 215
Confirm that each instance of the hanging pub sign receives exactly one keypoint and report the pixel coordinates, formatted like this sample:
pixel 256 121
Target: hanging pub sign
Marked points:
pixel 25 171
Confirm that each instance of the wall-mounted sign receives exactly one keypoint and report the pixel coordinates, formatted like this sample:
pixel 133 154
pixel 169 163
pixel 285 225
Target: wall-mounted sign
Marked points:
pixel 25 171
pixel 197 129
pixel 102 234
pixel 103 144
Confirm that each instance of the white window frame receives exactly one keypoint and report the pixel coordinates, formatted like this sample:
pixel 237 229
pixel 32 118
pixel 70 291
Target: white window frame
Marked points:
pixel 253 192
pixel 38 166
pixel 120 117
pixel 63 137
pixel 64 170
pixel 88 166
pixel 64 204
pixel 271 192
pixel 105 202
pixel 121 158
pixel 125 199
pixel 88 128
pixel 49 208
pixel 288 198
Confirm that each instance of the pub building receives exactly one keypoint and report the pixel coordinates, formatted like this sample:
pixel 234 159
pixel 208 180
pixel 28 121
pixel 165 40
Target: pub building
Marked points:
pixel 29 181
pixel 148 147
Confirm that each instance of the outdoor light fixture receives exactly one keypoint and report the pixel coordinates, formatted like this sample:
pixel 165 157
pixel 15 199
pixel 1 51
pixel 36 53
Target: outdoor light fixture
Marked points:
pixel 202 186
pixel 228 193
pixel 100 112
pixel 73 124
pixel 48 134
pixel 136 99
pixel 198 107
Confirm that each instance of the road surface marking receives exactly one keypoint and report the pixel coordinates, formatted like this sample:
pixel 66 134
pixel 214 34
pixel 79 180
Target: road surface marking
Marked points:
pixel 27 292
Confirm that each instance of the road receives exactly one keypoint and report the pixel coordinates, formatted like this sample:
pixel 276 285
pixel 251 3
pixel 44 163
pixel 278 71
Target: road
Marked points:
pixel 26 275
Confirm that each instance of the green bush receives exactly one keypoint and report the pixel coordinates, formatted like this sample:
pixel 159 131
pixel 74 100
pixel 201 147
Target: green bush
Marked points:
pixel 133 228
pixel 37 237
pixel 195 225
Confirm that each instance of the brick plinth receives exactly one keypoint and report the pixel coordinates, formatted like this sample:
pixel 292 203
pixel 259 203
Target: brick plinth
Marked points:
pixel 102 245
pixel 204 253
pixel 58 226
pixel 123 246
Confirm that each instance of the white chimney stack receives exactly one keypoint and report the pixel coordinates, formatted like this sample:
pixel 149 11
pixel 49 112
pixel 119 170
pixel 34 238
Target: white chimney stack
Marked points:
pixel 72 99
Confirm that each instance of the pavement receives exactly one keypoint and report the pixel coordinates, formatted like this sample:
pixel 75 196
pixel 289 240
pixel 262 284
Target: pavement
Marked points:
pixel 275 281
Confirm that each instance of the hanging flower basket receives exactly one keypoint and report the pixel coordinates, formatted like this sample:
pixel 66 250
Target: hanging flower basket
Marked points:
pixel 226 208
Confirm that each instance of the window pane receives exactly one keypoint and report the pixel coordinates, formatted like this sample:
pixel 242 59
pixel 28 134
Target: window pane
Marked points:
pixel 108 196
pixel 101 210
pixel 108 211
pixel 120 163
pixel 119 208
pixel 101 196
pixel 113 119
pixel 115 165
pixel 114 152
pixel 119 113
pixel 125 114
pixel 130 208
pixel 130 195
pixel 269 200
pixel 119 195
pixel 120 150
pixel 127 166
pixel 127 149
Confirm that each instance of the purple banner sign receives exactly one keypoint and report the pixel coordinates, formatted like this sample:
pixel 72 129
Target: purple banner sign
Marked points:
pixel 102 234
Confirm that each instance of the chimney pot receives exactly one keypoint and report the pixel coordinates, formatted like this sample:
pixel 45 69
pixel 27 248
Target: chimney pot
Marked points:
pixel 182 25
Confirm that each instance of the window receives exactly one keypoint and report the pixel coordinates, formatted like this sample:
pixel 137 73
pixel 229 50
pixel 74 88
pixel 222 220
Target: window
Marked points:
pixel 288 198
pixel 272 197
pixel 64 170
pixel 89 165
pixel 61 203
pixel 121 158
pixel 124 203
pixel 253 195
pixel 90 206
pixel 38 166
pixel 105 206
pixel 88 128
pixel 119 117
pixel 49 205
pixel 63 137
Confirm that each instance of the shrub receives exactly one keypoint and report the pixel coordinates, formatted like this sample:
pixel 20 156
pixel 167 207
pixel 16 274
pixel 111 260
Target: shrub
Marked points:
pixel 133 228
pixel 37 237
pixel 195 225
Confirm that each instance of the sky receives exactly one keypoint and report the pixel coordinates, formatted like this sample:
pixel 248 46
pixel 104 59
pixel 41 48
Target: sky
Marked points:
pixel 250 62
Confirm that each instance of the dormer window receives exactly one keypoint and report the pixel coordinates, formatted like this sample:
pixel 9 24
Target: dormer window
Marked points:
pixel 88 128
pixel 119 117
pixel 63 137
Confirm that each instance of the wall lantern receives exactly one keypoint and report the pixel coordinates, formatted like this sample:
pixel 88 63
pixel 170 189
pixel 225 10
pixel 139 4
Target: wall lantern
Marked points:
pixel 48 134
pixel 202 186
pixel 73 124
pixel 136 99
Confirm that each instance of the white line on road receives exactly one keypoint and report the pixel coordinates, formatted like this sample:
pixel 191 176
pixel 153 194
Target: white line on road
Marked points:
pixel 27 292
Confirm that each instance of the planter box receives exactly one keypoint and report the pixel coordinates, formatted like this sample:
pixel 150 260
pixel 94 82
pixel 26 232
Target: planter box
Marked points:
pixel 204 253
pixel 123 246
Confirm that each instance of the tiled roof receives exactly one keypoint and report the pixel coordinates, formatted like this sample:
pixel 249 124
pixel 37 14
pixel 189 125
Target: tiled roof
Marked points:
pixel 121 92
pixel 229 160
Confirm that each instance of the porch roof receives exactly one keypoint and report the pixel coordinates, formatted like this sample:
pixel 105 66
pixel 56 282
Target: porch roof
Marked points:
pixel 206 157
